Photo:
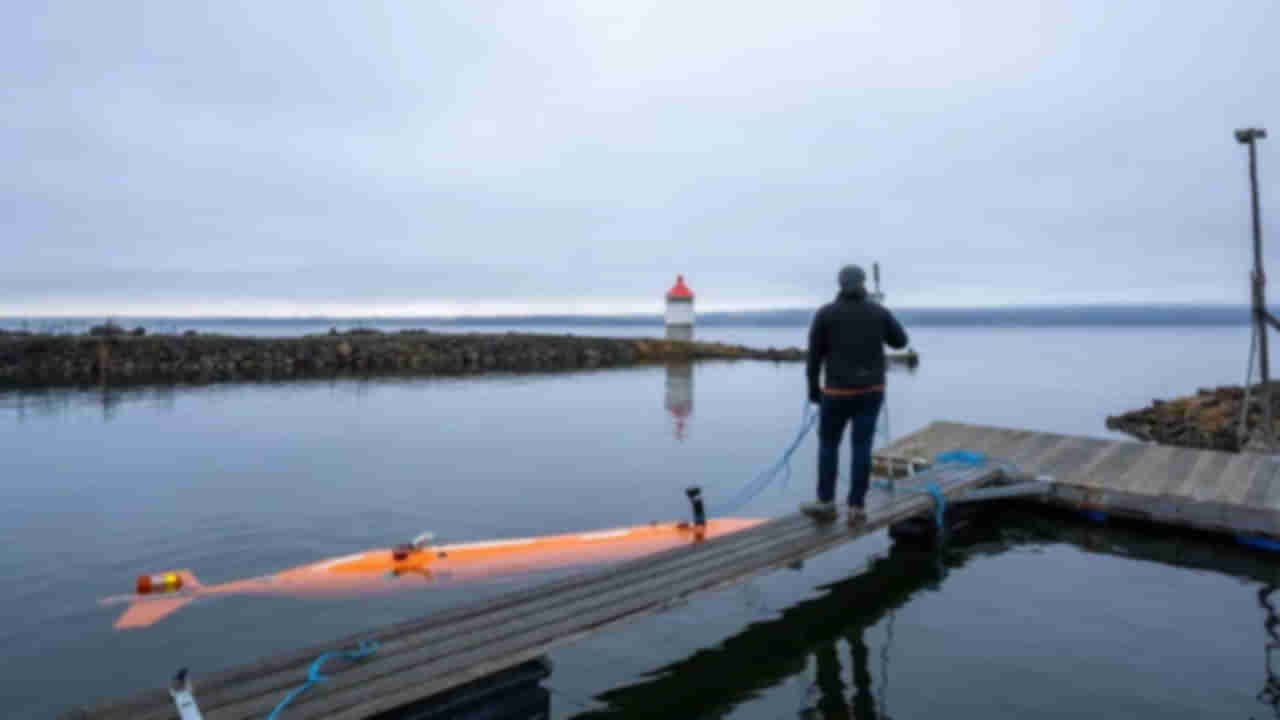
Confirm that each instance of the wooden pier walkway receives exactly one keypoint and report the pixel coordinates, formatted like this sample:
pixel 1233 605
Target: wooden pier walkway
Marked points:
pixel 429 655
pixel 1237 493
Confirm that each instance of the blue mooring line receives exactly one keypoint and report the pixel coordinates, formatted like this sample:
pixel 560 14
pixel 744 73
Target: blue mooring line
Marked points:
pixel 960 457
pixel 1260 542
pixel 366 648
pixel 933 489
pixel 781 466
pixel 1096 516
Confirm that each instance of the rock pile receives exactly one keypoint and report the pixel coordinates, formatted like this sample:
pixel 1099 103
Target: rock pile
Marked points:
pixel 1209 419
pixel 127 358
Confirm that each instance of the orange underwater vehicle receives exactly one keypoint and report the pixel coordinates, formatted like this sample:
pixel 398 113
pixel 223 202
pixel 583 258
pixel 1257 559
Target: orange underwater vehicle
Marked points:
pixel 410 564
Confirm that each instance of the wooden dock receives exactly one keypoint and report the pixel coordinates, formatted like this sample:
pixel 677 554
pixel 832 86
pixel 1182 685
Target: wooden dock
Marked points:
pixel 1236 493
pixel 423 657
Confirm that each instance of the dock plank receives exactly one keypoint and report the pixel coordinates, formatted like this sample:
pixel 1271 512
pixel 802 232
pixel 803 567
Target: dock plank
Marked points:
pixel 1202 489
pixel 1272 499
pixel 1031 453
pixel 1237 466
pixel 1202 483
pixel 1057 455
pixel 1071 457
pixel 1116 464
pixel 1149 472
pixel 955 437
pixel 1239 477
pixel 1181 466
pixel 1007 443
pixel 1263 479
pixel 1089 475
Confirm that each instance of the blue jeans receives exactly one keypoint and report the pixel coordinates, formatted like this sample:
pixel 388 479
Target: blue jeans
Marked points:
pixel 837 410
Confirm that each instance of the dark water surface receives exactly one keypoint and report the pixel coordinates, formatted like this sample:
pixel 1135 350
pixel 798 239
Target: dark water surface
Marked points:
pixel 1031 617
pixel 1038 618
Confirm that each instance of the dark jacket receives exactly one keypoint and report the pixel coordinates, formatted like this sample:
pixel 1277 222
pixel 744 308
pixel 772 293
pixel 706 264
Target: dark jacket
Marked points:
pixel 848 336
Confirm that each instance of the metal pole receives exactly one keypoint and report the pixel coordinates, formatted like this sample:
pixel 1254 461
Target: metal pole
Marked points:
pixel 1242 428
pixel 1250 137
pixel 1260 298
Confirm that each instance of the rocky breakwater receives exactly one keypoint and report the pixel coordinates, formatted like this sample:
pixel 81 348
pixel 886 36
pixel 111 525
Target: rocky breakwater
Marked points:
pixel 1209 419
pixel 31 360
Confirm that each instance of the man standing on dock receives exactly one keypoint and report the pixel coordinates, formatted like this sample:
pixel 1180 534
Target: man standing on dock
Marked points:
pixel 848 336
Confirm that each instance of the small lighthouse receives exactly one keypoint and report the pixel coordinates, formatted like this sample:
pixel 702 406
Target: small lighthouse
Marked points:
pixel 679 315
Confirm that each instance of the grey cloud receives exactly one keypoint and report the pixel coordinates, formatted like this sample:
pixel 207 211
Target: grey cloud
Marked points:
pixel 511 153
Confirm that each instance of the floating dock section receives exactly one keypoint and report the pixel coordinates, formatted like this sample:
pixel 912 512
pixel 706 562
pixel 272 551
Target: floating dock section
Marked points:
pixel 1235 493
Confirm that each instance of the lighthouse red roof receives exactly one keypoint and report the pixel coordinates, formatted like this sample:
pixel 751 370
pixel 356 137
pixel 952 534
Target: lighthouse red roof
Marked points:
pixel 679 291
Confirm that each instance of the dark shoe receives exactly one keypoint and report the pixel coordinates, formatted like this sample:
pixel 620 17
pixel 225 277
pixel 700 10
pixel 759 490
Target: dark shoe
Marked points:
pixel 857 516
pixel 825 511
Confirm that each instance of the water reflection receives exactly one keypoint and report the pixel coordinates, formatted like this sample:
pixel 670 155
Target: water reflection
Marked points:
pixel 678 401
pixel 512 694
pixel 51 402
pixel 1270 693
pixel 832 639
pixel 111 400
pixel 832 703
pixel 1193 552
pixel 712 682
pixel 679 395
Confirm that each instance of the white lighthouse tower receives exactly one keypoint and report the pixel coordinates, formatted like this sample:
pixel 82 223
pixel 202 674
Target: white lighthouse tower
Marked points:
pixel 679 315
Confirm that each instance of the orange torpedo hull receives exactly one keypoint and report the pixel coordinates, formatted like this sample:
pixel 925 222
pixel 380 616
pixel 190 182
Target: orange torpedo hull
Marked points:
pixel 404 567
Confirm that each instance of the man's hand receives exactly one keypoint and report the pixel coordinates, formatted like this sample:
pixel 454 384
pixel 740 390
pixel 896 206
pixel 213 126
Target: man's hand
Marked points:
pixel 815 395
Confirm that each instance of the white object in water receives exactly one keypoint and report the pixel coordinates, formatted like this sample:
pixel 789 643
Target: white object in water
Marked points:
pixel 180 691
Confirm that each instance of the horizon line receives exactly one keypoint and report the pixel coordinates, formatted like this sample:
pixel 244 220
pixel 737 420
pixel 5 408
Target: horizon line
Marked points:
pixel 656 313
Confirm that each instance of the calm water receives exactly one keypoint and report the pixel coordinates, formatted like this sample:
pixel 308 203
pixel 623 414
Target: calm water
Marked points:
pixel 1036 619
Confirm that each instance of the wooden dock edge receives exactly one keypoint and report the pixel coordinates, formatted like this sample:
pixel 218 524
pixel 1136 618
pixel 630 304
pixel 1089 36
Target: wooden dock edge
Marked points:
pixel 1176 487
pixel 1206 516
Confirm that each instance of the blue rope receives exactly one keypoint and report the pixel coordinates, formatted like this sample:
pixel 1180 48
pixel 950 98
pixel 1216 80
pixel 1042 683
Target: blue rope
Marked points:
pixel 933 489
pixel 782 466
pixel 960 457
pixel 939 504
pixel 367 648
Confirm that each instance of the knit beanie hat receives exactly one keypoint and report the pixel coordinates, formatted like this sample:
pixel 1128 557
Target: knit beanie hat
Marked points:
pixel 852 279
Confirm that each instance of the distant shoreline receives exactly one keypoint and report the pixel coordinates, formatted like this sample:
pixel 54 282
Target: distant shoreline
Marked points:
pixel 1029 317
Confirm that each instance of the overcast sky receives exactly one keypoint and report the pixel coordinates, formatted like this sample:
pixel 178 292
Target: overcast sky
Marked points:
pixel 472 157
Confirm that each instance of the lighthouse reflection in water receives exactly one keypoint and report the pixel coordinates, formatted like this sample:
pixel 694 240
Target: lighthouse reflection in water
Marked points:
pixel 678 401
pixel 679 396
